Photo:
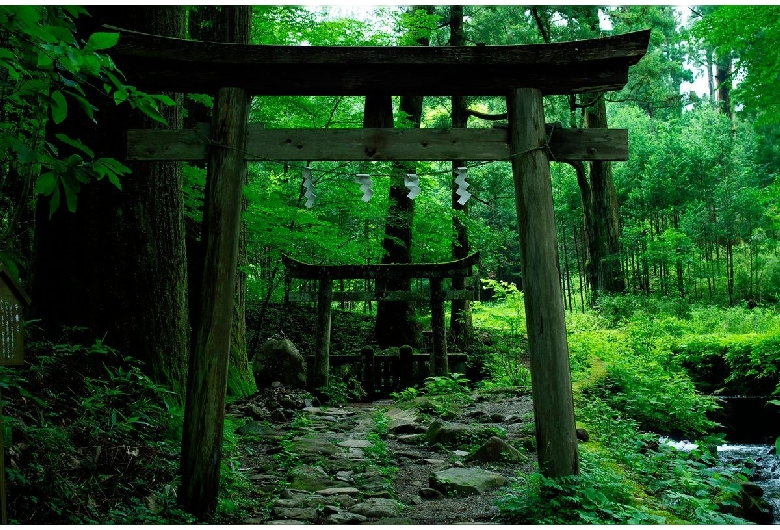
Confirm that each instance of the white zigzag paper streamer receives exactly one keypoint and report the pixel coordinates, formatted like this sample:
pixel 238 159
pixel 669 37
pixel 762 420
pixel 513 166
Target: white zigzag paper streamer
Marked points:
pixel 412 181
pixel 366 186
pixel 460 180
pixel 309 187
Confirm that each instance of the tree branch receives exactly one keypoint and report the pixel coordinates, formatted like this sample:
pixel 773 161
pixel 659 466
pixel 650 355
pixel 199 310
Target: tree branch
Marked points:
pixel 540 25
pixel 484 116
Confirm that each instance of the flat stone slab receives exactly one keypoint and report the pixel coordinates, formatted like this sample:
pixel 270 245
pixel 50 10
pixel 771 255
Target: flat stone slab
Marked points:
pixel 347 518
pixel 328 411
pixel 465 481
pixel 356 444
pixel 338 491
pixel 377 508
pixel 301 514
pixel 316 446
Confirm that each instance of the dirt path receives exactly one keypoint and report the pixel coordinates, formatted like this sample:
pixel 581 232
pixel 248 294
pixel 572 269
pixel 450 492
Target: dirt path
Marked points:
pixel 374 463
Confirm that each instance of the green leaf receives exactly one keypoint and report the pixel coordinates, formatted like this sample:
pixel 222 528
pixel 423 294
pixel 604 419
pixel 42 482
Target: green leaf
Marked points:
pixel 120 96
pixel 46 183
pixel 64 138
pixel 101 41
pixel 148 107
pixel 71 196
pixel 54 201
pixel 44 60
pixel 777 445
pixel 85 105
pixel 59 107
pixel 162 98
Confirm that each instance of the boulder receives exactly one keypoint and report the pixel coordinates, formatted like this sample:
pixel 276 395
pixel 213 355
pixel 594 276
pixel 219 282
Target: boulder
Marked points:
pixel 495 450
pixel 465 481
pixel 452 435
pixel 279 361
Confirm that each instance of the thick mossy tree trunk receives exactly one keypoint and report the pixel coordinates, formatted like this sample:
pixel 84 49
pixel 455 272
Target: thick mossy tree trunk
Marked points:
pixel 600 208
pixel 118 266
pixel 395 319
pixel 461 326
pixel 232 24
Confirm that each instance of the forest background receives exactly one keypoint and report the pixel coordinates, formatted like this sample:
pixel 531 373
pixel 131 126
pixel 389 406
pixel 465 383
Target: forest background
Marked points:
pixel 692 214
pixel 114 247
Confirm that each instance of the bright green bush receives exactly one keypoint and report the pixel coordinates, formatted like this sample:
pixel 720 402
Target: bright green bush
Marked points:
pixel 744 364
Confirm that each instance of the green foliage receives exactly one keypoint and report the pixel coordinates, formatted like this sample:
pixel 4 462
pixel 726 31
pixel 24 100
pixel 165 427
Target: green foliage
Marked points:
pixel 627 477
pixel 745 364
pixel 453 383
pixel 639 377
pixel 748 32
pixel 46 72
pixel 78 431
pixel 343 387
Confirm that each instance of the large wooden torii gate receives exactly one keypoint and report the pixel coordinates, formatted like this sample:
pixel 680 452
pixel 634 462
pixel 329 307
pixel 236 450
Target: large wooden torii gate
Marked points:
pixel 234 72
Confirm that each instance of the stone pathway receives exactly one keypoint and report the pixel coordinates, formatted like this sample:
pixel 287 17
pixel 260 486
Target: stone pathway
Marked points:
pixel 381 464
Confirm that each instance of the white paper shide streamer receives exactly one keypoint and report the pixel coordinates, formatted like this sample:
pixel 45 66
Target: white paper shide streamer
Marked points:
pixel 460 180
pixel 366 185
pixel 412 182
pixel 309 187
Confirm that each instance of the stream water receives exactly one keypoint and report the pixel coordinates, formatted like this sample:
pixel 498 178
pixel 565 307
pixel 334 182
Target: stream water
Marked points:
pixel 766 470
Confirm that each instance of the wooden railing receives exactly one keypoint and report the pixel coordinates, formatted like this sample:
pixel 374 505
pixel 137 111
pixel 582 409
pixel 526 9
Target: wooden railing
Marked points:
pixel 380 375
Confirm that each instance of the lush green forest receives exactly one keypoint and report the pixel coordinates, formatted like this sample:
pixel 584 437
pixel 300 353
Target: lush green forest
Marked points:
pixel 669 262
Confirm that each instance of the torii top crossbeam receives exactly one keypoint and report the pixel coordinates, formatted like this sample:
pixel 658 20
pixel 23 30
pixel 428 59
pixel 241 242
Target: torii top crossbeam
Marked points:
pixel 162 63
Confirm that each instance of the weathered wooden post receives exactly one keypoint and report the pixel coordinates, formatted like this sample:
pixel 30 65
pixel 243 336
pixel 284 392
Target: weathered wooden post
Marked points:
pixel 545 318
pixel 204 412
pixel 367 371
pixel 13 300
pixel 439 364
pixel 406 363
pixel 322 340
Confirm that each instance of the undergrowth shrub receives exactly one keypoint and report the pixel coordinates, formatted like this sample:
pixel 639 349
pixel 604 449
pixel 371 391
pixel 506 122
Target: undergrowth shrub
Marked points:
pixel 638 378
pixel 627 477
pixel 744 364
pixel 93 438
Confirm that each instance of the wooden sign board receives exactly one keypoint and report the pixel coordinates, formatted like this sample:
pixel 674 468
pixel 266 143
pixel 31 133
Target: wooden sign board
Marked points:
pixel 13 300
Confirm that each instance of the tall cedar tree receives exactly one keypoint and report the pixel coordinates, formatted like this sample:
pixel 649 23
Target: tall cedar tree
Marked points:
pixel 118 266
pixel 232 24
pixel 461 326
pixel 395 320
pixel 599 200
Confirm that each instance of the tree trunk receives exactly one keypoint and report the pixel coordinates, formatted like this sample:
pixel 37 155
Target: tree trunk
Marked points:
pixel 723 84
pixel 395 325
pixel 461 325
pixel 118 266
pixel 599 202
pixel 556 440
pixel 394 320
pixel 230 24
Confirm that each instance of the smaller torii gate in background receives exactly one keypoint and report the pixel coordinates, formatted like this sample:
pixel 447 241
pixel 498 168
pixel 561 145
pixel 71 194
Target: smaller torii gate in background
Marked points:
pixel 234 72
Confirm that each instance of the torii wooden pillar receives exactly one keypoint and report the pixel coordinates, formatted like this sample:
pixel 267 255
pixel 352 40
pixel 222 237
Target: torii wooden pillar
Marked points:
pixel 523 74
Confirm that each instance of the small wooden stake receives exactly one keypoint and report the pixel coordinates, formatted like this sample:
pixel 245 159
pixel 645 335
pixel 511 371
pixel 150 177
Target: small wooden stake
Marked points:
pixel 322 342
pixel 3 503
pixel 204 412
pixel 439 364
pixel 556 439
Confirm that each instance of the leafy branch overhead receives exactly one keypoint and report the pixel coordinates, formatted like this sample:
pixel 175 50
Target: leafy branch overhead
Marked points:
pixel 46 72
